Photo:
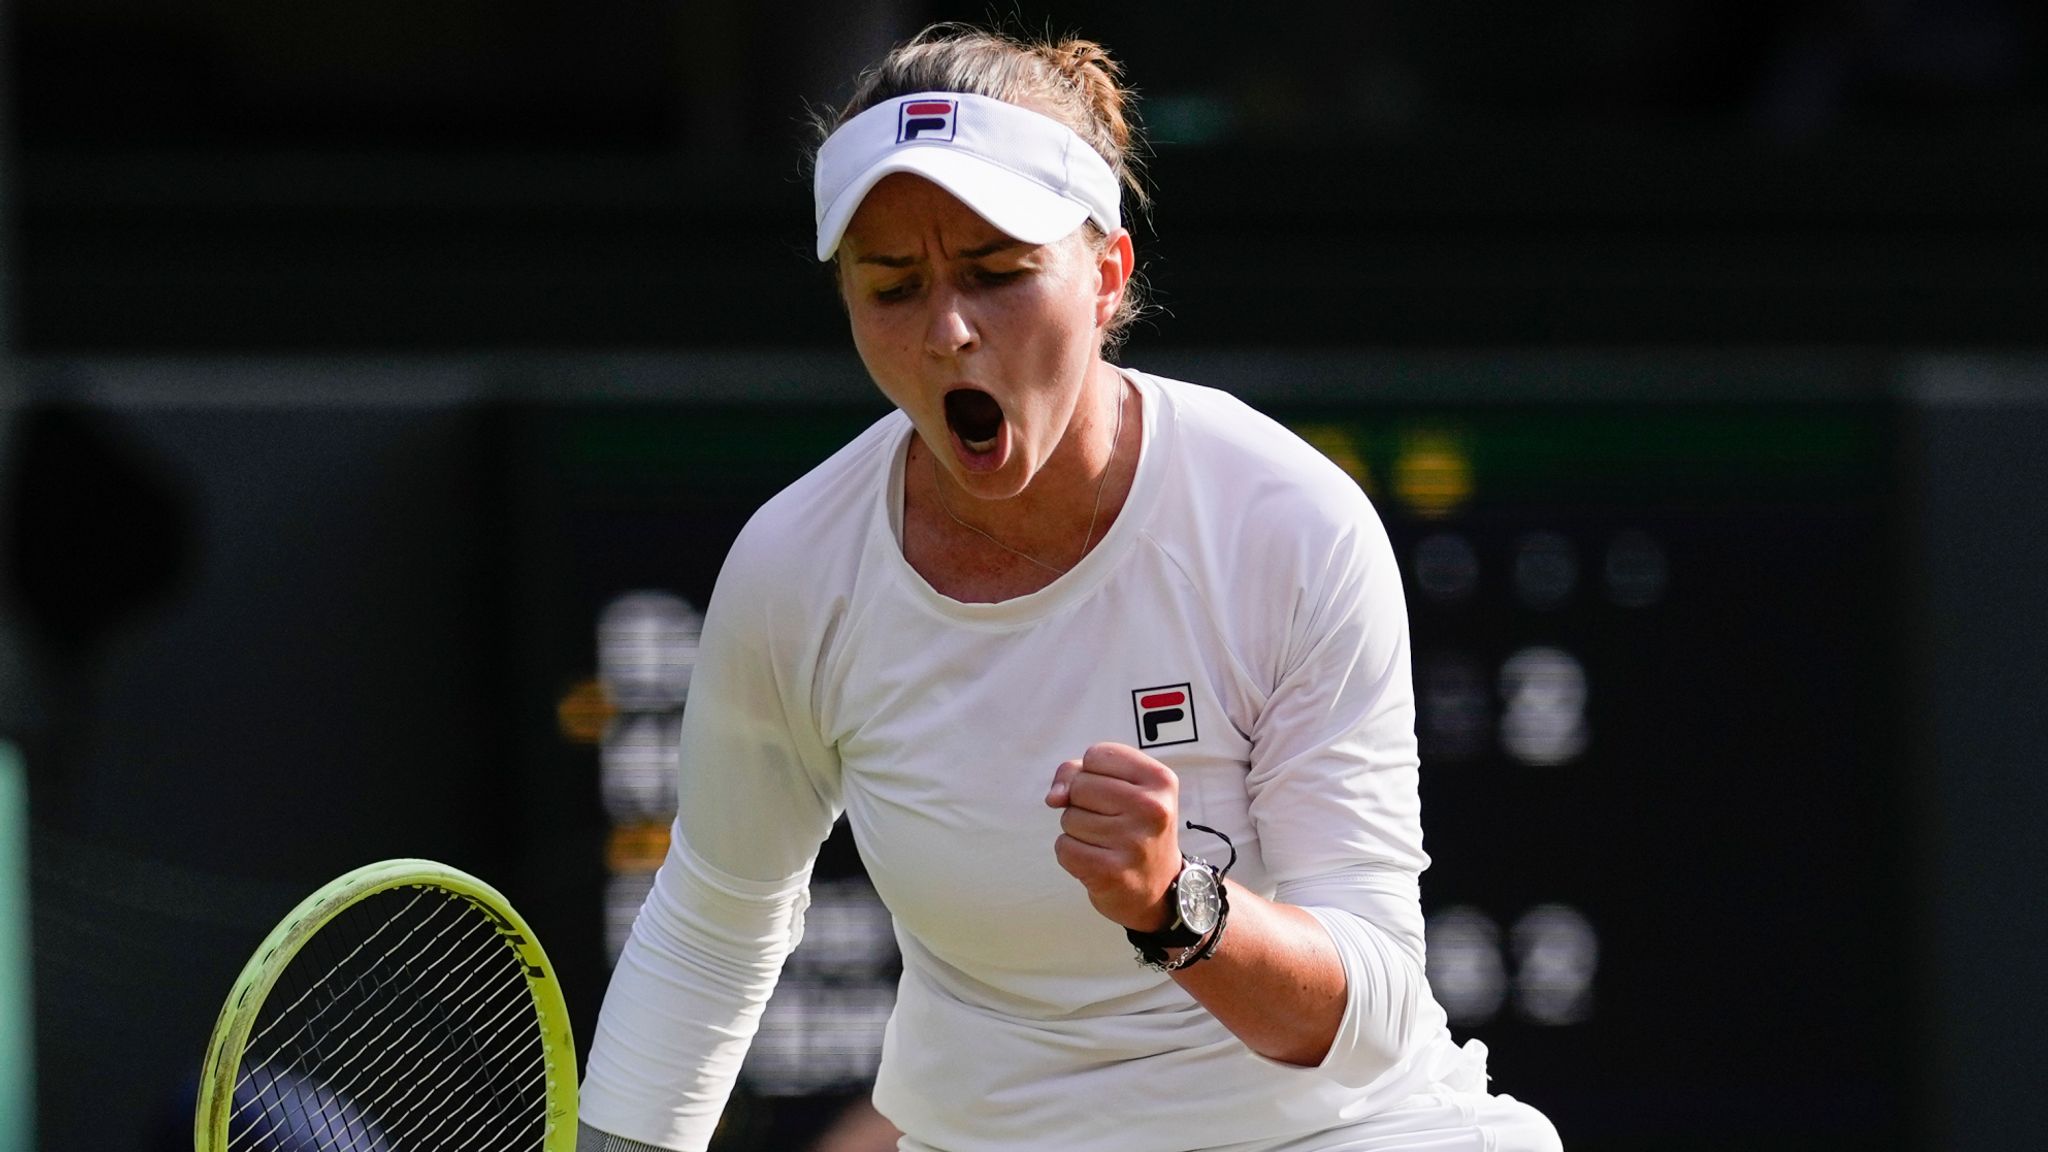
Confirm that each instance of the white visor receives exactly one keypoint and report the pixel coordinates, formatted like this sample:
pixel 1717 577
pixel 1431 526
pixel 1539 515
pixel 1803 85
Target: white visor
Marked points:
pixel 1027 174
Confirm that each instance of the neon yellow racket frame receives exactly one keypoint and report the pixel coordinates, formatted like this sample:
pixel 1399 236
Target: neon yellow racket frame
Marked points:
pixel 238 1015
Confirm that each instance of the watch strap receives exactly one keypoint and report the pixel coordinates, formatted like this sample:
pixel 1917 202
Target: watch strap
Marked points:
pixel 1152 946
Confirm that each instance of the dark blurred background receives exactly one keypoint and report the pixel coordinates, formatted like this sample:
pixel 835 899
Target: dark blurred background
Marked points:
pixel 380 381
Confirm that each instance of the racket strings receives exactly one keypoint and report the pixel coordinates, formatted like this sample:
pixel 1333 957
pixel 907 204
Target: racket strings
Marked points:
pixel 426 1020
pixel 407 1025
pixel 476 1122
pixel 336 995
pixel 337 992
pixel 402 1063
pixel 350 1045
pixel 289 1011
pixel 423 1099
pixel 395 1057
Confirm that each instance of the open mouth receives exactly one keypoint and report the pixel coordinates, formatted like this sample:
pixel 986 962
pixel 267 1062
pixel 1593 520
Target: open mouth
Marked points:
pixel 976 418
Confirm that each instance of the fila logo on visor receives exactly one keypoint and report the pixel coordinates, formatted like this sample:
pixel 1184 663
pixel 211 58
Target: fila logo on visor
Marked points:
pixel 1166 715
pixel 925 120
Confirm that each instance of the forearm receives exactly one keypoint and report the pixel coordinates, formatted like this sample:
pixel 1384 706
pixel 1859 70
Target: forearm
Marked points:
pixel 1329 977
pixel 685 999
pixel 1275 980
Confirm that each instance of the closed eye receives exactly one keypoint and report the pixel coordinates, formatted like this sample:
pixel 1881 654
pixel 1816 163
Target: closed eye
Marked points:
pixel 901 290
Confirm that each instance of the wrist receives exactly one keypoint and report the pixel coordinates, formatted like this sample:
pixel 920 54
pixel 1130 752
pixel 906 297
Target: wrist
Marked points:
pixel 1182 952
pixel 1160 917
pixel 1195 905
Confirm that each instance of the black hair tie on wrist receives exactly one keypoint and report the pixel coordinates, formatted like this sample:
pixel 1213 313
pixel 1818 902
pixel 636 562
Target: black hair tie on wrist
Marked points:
pixel 1225 870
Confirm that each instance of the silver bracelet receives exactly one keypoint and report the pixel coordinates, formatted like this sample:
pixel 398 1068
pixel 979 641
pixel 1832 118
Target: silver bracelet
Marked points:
pixel 1201 949
pixel 589 1139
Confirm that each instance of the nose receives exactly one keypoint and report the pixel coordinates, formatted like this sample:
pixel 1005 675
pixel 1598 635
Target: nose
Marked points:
pixel 948 331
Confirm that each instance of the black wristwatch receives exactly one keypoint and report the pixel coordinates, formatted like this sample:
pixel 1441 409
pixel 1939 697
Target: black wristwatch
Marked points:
pixel 1200 907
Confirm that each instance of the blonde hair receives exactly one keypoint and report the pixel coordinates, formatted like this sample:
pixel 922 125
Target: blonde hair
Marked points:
pixel 1074 81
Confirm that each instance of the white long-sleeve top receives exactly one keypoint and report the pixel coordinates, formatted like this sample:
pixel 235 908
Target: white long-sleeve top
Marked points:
pixel 1246 573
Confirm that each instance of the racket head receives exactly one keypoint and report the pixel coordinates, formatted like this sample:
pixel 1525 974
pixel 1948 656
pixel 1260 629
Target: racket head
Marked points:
pixel 469 899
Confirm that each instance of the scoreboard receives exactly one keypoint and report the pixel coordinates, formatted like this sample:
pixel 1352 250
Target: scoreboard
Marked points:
pixel 1657 654
pixel 1662 763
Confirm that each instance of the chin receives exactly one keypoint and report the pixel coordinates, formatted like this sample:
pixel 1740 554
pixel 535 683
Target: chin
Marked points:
pixel 1009 481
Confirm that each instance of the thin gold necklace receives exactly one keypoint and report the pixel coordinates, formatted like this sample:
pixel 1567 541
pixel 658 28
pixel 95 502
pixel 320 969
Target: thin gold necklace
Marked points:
pixel 1115 439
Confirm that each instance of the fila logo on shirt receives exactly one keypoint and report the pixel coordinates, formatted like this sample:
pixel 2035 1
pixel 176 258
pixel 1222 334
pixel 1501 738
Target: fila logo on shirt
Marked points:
pixel 925 120
pixel 1166 715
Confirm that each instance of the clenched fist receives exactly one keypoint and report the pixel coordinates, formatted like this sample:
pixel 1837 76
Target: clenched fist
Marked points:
pixel 1119 832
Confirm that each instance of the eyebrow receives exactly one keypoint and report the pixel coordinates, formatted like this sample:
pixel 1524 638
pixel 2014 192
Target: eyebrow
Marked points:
pixel 1002 244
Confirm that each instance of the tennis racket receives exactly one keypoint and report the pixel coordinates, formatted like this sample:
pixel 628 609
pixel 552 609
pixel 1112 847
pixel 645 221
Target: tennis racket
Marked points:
pixel 405 1007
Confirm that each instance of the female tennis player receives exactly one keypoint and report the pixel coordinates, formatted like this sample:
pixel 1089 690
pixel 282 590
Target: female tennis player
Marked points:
pixel 1108 672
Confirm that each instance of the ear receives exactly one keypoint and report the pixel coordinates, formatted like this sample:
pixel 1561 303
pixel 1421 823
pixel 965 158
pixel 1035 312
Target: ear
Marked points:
pixel 1114 263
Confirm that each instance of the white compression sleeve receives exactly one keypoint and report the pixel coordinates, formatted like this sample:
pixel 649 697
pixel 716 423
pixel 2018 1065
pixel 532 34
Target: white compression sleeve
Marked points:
pixel 686 999
pixel 1375 921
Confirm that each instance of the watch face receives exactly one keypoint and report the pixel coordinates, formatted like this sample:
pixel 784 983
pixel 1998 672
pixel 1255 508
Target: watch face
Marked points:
pixel 1199 900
